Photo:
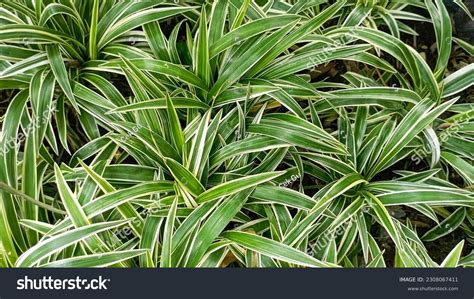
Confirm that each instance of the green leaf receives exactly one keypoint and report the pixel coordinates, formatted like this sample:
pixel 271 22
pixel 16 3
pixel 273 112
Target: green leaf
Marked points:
pixel 184 177
pixel 168 236
pixel 273 249
pixel 241 64
pixel 93 30
pixel 447 226
pixel 235 186
pixel 452 260
pixel 35 254
pixel 60 73
pixel 214 225
pixel 202 50
pixel 459 81
pixel 100 260
pixel 136 19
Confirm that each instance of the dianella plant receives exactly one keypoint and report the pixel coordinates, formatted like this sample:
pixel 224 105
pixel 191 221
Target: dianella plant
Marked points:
pixel 235 133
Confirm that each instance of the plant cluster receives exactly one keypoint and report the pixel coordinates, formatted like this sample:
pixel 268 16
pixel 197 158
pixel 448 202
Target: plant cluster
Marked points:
pixel 234 133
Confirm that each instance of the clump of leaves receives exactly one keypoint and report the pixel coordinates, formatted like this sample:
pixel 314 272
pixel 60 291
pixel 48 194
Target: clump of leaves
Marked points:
pixel 195 134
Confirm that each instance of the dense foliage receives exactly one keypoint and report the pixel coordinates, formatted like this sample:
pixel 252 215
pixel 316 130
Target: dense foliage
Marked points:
pixel 235 133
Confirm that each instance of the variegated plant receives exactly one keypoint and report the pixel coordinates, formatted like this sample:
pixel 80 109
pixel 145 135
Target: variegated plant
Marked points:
pixel 208 134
